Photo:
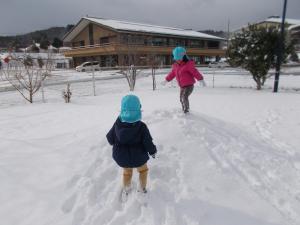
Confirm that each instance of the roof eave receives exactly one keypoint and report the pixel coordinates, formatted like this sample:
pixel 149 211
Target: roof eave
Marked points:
pixel 69 32
pixel 135 31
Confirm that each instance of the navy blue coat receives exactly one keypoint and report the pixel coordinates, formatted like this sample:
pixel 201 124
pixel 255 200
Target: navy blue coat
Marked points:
pixel 131 142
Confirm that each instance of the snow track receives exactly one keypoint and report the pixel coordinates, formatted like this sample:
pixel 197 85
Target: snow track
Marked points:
pixel 199 159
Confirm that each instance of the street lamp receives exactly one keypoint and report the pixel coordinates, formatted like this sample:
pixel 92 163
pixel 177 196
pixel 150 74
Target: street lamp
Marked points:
pixel 280 49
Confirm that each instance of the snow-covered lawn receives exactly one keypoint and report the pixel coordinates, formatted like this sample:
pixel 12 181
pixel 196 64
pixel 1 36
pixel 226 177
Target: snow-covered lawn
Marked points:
pixel 234 160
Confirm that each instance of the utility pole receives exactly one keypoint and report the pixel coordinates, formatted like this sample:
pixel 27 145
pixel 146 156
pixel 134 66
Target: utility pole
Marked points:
pixel 280 49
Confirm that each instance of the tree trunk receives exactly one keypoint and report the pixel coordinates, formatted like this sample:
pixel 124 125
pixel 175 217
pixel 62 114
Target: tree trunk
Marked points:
pixel 153 78
pixel 258 84
pixel 31 96
pixel 264 80
pixel 257 80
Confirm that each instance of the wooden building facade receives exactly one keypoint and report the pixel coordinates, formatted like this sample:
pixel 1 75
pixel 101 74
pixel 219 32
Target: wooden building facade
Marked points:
pixel 118 43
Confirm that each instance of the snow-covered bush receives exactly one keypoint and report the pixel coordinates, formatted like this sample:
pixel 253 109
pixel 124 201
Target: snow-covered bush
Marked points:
pixel 67 94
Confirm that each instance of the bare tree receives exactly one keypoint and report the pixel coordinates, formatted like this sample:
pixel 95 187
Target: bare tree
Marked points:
pixel 67 94
pixel 130 73
pixel 131 60
pixel 134 60
pixel 26 73
pixel 154 63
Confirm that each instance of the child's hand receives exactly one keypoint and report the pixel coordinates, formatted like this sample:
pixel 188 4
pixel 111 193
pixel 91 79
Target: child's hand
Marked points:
pixel 164 82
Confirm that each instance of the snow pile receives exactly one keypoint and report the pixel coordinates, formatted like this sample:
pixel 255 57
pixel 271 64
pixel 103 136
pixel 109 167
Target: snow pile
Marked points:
pixel 220 164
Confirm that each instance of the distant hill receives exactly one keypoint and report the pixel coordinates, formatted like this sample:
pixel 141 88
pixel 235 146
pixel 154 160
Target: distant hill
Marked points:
pixel 25 40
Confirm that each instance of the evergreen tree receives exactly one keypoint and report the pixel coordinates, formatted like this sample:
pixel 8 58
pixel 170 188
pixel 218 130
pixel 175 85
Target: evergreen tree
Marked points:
pixel 15 44
pixel 255 49
pixel 34 48
pixel 57 43
pixel 44 44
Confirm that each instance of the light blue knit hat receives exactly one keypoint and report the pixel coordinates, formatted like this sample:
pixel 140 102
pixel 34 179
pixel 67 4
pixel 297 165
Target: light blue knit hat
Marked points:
pixel 130 109
pixel 178 53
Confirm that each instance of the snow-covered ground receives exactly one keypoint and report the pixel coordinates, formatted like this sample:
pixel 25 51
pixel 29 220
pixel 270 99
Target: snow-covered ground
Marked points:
pixel 234 160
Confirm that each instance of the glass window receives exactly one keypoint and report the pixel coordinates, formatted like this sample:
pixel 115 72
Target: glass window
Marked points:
pixel 213 44
pixel 104 40
pixel 176 42
pixel 158 41
pixel 196 43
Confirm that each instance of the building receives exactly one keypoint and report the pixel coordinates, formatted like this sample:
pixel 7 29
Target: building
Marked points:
pixel 36 48
pixel 117 43
pixel 292 26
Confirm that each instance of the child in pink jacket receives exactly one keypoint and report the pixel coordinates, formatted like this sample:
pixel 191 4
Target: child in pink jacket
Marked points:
pixel 186 75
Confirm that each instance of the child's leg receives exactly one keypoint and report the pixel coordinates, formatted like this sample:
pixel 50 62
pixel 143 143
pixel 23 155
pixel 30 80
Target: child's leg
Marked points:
pixel 127 175
pixel 187 91
pixel 143 171
pixel 181 97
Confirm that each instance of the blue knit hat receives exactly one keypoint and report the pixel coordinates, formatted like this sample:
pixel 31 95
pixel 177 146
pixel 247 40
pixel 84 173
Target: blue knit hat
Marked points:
pixel 130 109
pixel 178 53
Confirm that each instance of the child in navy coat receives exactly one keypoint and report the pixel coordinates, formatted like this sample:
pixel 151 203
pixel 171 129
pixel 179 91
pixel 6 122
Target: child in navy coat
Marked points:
pixel 132 142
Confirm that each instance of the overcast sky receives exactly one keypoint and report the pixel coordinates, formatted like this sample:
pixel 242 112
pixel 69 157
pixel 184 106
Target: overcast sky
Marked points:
pixel 22 16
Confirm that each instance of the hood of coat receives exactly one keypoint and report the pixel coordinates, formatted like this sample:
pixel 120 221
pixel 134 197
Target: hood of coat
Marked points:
pixel 128 133
pixel 130 109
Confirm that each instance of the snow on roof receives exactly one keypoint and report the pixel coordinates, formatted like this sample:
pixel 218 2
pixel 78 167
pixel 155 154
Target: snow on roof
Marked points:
pixel 293 26
pixel 293 22
pixel 278 20
pixel 146 28
pixel 52 47
pixel 38 45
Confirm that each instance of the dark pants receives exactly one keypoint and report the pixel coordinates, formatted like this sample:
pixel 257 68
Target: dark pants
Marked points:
pixel 184 97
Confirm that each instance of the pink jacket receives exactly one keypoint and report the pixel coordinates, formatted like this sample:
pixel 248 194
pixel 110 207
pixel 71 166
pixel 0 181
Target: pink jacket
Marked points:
pixel 185 73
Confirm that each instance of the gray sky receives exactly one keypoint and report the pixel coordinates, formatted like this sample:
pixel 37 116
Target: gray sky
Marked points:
pixel 22 16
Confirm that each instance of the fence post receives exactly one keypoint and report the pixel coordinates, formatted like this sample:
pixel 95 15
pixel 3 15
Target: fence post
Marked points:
pixel 214 78
pixel 153 78
pixel 43 93
pixel 94 84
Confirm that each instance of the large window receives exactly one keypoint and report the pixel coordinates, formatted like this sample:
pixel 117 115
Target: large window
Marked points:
pixel 196 43
pixel 213 44
pixel 91 34
pixel 133 39
pixel 176 42
pixel 104 40
pixel 159 41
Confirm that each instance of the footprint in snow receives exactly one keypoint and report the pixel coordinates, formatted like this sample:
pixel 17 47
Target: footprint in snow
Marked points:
pixel 68 204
